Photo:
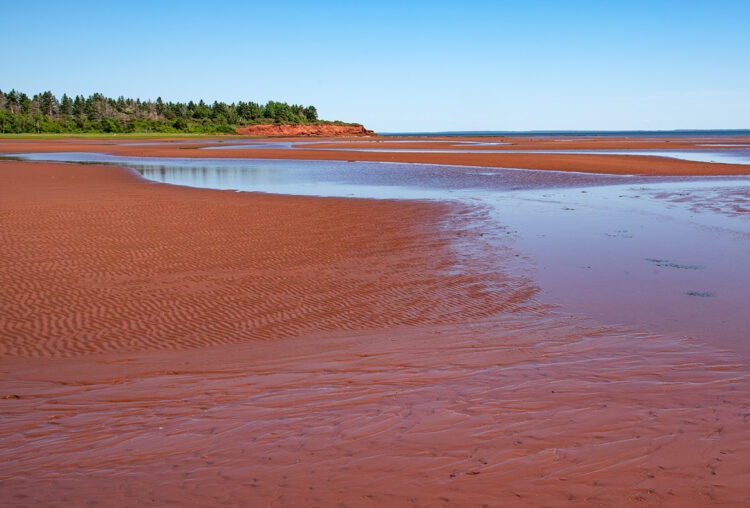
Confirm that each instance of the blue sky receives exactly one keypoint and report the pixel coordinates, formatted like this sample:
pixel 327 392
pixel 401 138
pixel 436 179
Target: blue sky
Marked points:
pixel 403 65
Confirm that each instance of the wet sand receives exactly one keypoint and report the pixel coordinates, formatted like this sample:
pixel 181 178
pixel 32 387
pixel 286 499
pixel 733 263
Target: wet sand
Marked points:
pixel 175 346
pixel 97 259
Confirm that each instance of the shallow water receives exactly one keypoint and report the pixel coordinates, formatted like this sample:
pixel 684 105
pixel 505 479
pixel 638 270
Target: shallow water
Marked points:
pixel 668 254
pixel 343 144
pixel 376 180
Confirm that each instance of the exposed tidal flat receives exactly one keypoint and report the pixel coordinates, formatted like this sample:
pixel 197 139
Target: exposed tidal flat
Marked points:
pixel 506 338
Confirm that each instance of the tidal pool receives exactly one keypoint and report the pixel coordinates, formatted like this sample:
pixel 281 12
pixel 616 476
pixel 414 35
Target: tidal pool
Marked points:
pixel 666 254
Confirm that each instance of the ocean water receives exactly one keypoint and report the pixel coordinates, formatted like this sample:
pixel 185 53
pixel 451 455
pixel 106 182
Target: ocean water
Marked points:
pixel 709 133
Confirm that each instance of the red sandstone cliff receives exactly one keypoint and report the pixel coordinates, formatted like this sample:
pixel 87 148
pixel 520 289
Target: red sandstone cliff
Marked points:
pixel 327 130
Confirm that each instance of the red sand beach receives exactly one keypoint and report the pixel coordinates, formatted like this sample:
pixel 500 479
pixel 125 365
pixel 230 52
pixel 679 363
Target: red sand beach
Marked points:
pixel 172 346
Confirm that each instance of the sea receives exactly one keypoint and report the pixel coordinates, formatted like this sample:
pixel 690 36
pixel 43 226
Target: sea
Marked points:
pixel 688 133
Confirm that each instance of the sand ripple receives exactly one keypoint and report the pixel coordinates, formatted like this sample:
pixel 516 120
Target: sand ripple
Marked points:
pixel 516 411
pixel 97 260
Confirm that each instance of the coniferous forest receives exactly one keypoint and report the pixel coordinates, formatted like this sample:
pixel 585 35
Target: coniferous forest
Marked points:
pixel 45 113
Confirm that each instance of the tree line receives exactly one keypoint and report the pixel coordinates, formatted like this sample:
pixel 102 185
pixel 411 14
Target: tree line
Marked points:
pixel 44 113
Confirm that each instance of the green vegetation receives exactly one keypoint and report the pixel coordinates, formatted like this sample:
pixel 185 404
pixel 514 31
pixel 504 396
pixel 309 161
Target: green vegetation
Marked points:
pixel 45 114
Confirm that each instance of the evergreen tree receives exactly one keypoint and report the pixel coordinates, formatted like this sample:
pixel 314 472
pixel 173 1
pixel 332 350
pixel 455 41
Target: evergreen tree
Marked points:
pixel 13 102
pixel 66 105
pixel 44 113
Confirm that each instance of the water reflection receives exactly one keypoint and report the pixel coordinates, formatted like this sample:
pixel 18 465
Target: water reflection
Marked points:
pixel 595 249
pixel 337 178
